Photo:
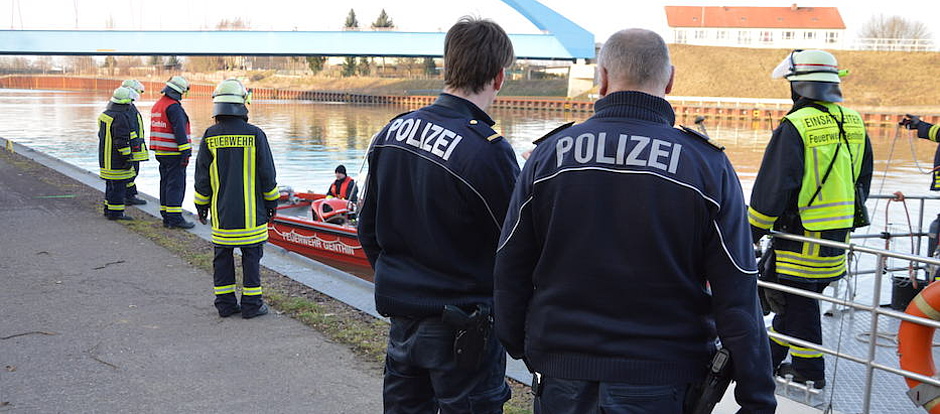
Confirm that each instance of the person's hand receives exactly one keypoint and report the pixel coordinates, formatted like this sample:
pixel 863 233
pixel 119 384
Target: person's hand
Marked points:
pixel 185 162
pixel 910 121
pixel 203 213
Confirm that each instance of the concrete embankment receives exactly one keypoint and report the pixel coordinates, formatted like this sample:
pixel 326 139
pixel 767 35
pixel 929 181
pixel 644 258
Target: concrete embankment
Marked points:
pixel 97 318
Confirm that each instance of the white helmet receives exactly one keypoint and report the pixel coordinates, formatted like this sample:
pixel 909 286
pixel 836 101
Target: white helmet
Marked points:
pixel 230 98
pixel 809 65
pixel 134 84
pixel 124 95
pixel 179 84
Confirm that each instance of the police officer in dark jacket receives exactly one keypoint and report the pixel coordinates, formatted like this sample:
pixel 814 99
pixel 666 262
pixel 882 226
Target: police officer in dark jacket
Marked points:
pixel 235 181
pixel 438 186
pixel 616 229
pixel 115 127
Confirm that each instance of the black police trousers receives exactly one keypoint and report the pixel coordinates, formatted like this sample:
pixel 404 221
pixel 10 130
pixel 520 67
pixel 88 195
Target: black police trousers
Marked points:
pixel 421 373
pixel 562 396
pixel 223 274
pixel 172 188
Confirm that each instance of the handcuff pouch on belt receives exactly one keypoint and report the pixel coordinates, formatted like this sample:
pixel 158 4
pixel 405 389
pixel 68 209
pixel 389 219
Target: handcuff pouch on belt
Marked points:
pixel 473 331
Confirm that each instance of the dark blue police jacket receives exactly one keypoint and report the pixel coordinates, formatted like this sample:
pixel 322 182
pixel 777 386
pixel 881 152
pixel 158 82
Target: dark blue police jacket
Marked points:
pixel 439 183
pixel 615 227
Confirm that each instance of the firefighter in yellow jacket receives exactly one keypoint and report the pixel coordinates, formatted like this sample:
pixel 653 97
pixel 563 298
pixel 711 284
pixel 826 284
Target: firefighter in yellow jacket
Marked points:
pixel 138 145
pixel 818 161
pixel 235 183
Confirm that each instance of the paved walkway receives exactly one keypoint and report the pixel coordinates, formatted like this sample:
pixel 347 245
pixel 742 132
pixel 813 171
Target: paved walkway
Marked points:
pixel 95 318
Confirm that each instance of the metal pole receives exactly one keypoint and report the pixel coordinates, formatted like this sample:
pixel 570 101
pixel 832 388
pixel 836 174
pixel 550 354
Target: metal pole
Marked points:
pixel 920 224
pixel 869 368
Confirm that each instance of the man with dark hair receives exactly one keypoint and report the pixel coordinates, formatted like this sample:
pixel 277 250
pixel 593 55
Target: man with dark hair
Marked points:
pixel 608 301
pixel 344 187
pixel 439 182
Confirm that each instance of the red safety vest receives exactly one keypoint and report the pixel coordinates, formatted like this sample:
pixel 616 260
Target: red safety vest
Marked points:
pixel 343 189
pixel 162 138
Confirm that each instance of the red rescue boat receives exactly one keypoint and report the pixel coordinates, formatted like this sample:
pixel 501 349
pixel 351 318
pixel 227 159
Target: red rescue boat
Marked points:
pixel 320 228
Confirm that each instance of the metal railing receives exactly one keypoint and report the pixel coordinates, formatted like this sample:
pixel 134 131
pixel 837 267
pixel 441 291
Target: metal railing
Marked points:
pixel 874 308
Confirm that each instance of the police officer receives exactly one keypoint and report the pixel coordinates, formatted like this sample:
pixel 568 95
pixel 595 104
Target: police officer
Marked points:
pixel 437 191
pixel 615 229
pixel 817 166
pixel 344 187
pixel 235 181
pixel 138 146
pixel 115 129
pixel 169 140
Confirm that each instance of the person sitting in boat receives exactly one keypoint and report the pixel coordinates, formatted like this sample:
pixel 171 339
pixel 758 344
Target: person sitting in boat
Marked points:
pixel 344 187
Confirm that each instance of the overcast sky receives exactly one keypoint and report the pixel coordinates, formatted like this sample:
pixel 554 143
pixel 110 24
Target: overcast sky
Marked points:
pixel 601 17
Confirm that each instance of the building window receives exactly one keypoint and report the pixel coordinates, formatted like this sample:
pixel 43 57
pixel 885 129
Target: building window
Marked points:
pixel 809 35
pixel 721 35
pixel 744 37
pixel 680 36
pixel 766 36
pixel 832 37
pixel 700 34
pixel 787 35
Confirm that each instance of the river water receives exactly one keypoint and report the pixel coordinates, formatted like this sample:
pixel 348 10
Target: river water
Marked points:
pixel 309 139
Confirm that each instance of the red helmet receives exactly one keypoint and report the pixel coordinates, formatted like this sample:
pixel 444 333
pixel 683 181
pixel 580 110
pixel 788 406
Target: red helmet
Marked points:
pixel 332 210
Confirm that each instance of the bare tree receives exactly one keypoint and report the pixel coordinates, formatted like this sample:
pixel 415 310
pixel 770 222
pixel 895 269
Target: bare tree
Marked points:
pixel 894 27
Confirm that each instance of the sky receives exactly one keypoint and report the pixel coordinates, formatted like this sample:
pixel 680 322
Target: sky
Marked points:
pixel 601 17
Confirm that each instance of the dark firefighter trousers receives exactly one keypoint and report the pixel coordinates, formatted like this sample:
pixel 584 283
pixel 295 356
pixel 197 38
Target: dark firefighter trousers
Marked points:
pixel 800 320
pixel 422 377
pixel 131 185
pixel 172 188
pixel 114 197
pixel 223 274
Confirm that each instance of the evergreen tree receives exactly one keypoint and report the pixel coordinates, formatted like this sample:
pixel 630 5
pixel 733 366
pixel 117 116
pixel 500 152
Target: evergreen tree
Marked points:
pixel 349 66
pixel 383 22
pixel 430 67
pixel 315 63
pixel 364 67
pixel 351 22
pixel 173 62
pixel 155 61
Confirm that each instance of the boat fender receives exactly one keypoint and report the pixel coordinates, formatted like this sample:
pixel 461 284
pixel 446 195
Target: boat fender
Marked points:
pixel 560 128
pixel 702 137
pixel 915 348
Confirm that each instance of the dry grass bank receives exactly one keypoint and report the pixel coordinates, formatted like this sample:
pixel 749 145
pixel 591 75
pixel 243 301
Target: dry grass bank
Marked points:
pixel 876 79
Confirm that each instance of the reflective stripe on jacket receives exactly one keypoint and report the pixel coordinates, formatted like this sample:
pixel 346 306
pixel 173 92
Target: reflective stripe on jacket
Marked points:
pixel 834 205
pixel 138 145
pixel 114 135
pixel 235 175
pixel 163 139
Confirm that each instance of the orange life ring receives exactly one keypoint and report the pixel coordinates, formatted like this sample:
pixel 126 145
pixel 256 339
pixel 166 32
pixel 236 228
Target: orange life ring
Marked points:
pixel 915 341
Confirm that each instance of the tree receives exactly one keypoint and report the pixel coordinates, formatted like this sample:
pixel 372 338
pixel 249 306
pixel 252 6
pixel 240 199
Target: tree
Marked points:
pixel 894 27
pixel 365 67
pixel 349 66
pixel 110 62
pixel 80 64
pixel 430 67
pixel 351 22
pixel 315 63
pixel 383 22
pixel 173 62
pixel 155 61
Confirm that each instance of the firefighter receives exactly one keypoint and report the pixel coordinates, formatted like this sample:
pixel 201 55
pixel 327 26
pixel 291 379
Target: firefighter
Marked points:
pixel 114 152
pixel 138 146
pixel 169 140
pixel 816 170
pixel 235 182
pixel 930 132
pixel 439 184
pixel 615 230
pixel 344 187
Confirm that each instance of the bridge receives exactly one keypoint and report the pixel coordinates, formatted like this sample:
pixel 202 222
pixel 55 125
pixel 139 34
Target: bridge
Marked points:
pixel 562 39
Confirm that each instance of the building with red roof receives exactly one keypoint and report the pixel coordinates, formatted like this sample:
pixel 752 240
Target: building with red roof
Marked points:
pixel 766 27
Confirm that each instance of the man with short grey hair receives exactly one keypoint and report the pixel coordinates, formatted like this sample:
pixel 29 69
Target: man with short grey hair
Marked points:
pixel 626 253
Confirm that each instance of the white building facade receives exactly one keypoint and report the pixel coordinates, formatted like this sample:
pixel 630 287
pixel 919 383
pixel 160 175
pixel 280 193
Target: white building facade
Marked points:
pixel 757 27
